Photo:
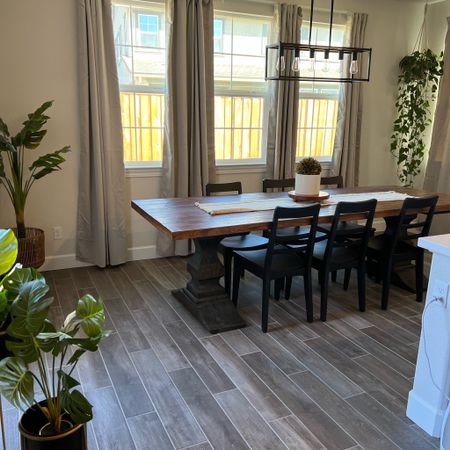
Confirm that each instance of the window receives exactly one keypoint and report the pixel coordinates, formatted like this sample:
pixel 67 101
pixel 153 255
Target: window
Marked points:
pixel 240 90
pixel 140 57
pixel 318 102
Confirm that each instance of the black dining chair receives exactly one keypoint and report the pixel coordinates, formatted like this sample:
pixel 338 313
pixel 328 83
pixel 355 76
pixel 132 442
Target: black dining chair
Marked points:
pixel 344 251
pixel 335 180
pixel 398 243
pixel 279 259
pixel 243 242
pixel 278 184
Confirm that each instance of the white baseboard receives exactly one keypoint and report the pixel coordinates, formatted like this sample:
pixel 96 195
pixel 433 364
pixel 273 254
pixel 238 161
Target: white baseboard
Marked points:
pixel 58 262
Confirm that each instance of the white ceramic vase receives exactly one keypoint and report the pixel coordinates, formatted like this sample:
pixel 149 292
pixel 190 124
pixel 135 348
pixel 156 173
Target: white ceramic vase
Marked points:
pixel 307 184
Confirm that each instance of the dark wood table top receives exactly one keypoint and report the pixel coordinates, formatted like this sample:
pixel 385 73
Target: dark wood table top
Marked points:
pixel 179 218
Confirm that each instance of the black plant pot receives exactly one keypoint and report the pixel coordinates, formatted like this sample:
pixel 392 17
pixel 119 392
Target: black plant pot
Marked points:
pixel 32 421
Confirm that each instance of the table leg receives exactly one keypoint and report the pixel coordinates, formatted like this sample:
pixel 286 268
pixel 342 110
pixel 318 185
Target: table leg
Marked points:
pixel 205 298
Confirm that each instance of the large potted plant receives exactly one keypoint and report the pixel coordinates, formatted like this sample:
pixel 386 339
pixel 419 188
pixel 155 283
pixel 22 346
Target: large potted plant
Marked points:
pixel 307 177
pixel 17 178
pixel 46 357
pixel 417 86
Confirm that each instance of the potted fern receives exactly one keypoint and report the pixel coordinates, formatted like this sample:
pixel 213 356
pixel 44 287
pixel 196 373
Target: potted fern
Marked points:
pixel 46 357
pixel 307 177
pixel 18 179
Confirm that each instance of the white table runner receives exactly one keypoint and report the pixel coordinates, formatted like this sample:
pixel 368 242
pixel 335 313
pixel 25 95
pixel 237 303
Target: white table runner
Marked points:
pixel 237 206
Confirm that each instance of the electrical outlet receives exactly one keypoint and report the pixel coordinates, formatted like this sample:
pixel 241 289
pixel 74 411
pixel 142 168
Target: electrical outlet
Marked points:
pixel 57 233
pixel 440 291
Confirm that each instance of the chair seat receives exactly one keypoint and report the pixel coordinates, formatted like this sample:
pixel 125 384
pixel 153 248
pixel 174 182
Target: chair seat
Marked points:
pixel 284 263
pixel 341 256
pixel 243 242
pixel 344 228
pixel 300 231
pixel 380 246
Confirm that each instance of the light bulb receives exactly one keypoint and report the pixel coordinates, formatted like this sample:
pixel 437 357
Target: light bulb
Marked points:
pixel 296 64
pixel 281 64
pixel 312 59
pixel 325 66
pixel 354 67
pixel 326 57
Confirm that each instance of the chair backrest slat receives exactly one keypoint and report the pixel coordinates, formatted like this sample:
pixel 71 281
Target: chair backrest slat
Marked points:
pixel 234 187
pixel 282 184
pixel 335 181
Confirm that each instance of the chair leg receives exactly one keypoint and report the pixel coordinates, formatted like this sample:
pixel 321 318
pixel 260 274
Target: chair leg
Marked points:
pixel 236 280
pixel 347 278
pixel 386 286
pixel 308 296
pixel 334 276
pixel 324 298
pixel 419 276
pixel 265 306
pixel 362 287
pixel 227 259
pixel 287 288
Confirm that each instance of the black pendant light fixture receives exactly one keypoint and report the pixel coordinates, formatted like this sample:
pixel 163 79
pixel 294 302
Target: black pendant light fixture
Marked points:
pixel 322 63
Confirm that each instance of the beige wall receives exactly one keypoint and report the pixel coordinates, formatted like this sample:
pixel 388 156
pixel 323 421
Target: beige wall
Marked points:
pixel 39 62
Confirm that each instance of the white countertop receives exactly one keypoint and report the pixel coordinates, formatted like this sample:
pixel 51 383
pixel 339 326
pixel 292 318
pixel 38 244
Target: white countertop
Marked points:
pixel 436 244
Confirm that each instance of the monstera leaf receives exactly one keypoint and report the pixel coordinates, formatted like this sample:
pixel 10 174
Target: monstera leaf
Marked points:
pixel 49 163
pixel 8 250
pixel 29 310
pixel 16 280
pixel 76 404
pixel 89 315
pixel 16 382
pixel 31 135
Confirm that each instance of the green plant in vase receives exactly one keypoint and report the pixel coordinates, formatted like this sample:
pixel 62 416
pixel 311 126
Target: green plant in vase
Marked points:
pixel 16 176
pixel 307 177
pixel 417 86
pixel 54 354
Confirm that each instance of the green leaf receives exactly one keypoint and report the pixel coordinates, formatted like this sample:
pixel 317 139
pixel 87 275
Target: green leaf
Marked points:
pixel 8 250
pixel 4 128
pixel 26 348
pixel 89 314
pixel 6 145
pixel 49 163
pixel 67 382
pixel 77 406
pixel 16 382
pixel 14 281
pixel 29 310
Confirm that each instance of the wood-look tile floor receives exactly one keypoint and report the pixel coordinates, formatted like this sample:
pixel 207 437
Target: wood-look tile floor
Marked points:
pixel 162 382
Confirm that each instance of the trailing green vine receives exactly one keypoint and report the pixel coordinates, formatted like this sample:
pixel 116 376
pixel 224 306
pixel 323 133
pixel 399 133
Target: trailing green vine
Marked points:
pixel 417 87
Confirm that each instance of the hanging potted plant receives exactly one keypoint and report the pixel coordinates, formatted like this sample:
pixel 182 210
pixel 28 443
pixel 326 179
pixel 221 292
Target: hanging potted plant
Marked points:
pixel 58 421
pixel 17 179
pixel 307 177
pixel 417 86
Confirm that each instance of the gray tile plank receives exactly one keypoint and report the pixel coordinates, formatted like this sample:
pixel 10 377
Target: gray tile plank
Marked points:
pixel 294 323
pixel 93 373
pixel 129 388
pixel 405 351
pixel 295 434
pixel 240 343
pixel 67 294
pixel 385 373
pixel 362 377
pixel 248 422
pixel 391 425
pixel 81 277
pixel 284 359
pixel 175 416
pixel 216 425
pixel 325 371
pixel 202 446
pixel 317 421
pixel 126 326
pixel 162 310
pixel 259 395
pixel 373 347
pixel 11 418
pixel 148 432
pixel 133 270
pixel 102 283
pixel 161 342
pixel 109 423
pixel 354 423
pixel 209 371
pixel 126 288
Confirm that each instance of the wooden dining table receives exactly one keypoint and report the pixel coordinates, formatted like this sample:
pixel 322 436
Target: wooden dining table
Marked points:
pixel 179 219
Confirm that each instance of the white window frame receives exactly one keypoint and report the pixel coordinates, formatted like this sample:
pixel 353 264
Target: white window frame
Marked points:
pixel 133 168
pixel 222 91
pixel 148 33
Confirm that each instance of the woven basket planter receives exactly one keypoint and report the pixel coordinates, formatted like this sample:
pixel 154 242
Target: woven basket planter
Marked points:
pixel 31 248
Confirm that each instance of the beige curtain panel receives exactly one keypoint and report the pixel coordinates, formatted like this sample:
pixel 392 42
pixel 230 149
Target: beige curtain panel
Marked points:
pixel 347 143
pixel 101 230
pixel 437 175
pixel 282 138
pixel 188 160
